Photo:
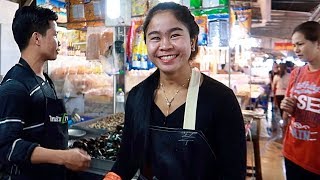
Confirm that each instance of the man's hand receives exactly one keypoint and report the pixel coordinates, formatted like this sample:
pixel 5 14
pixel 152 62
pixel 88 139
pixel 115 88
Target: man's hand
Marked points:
pixel 76 159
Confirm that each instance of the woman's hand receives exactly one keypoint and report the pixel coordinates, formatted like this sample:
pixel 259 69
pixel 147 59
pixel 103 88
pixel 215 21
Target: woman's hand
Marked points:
pixel 288 104
pixel 111 176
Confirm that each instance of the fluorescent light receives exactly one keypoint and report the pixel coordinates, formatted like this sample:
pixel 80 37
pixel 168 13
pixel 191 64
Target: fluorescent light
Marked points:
pixel 113 9
pixel 176 1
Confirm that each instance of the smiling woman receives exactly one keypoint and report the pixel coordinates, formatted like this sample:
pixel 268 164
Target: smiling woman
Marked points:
pixel 179 123
pixel 169 44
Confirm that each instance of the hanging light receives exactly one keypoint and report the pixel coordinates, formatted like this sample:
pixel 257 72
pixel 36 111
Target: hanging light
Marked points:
pixel 118 13
pixel 113 9
pixel 176 1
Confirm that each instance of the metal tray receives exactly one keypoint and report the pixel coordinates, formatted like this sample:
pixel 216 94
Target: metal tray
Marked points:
pixel 76 133
pixel 85 126
pixel 99 166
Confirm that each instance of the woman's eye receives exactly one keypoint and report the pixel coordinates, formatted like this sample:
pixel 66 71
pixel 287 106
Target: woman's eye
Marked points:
pixel 154 38
pixel 175 35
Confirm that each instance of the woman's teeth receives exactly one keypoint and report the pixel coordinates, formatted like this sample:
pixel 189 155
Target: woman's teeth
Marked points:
pixel 167 57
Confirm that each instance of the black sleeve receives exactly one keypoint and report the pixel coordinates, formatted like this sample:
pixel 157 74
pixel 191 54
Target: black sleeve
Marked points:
pixel 14 100
pixel 230 137
pixel 125 166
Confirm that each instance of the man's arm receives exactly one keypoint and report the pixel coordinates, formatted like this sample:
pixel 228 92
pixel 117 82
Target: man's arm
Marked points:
pixel 15 150
pixel 13 107
pixel 74 159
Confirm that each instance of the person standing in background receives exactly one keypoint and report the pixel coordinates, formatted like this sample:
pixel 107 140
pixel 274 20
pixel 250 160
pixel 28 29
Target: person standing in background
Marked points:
pixel 280 84
pixel 274 71
pixel 301 106
pixel 179 123
pixel 33 121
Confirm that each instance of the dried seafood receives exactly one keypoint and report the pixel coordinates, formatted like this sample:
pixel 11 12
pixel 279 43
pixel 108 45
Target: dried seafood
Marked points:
pixel 110 122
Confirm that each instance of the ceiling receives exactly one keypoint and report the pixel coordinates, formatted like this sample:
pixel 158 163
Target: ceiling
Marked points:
pixel 284 16
pixel 271 18
pixel 280 25
pixel 295 5
pixel 24 2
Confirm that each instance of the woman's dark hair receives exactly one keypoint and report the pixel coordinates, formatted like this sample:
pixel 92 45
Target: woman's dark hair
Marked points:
pixel 182 14
pixel 282 69
pixel 30 19
pixel 310 30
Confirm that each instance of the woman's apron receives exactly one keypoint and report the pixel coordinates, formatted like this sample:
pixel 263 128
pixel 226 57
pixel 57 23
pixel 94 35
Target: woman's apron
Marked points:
pixel 182 153
pixel 55 137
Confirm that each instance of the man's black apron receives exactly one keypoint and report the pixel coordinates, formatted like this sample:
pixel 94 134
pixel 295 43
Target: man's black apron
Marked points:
pixel 55 136
pixel 181 153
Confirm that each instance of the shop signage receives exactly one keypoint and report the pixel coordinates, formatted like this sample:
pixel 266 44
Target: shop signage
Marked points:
pixel 283 46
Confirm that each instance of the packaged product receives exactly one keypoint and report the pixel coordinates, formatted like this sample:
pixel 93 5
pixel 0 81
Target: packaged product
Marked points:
pixel 75 14
pixel 94 13
pixel 93 10
pixel 210 3
pixel 139 7
pixel 203 29
pixel 137 44
pixel 76 11
pixel 244 16
pixel 153 3
pixel 218 30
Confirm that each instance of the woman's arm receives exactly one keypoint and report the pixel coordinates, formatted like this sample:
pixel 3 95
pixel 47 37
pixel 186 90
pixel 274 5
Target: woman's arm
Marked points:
pixel 125 166
pixel 231 140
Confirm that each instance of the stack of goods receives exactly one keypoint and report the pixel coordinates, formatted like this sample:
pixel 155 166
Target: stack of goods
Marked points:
pixel 99 40
pixel 83 84
pixel 139 7
pixel 137 49
pixel 81 76
pixel 81 15
pixel 109 123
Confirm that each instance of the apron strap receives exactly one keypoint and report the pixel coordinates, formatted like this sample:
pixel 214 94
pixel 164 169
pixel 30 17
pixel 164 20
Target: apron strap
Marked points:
pixel 191 102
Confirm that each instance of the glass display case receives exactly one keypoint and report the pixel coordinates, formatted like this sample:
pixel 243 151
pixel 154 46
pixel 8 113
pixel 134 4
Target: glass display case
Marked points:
pixel 83 71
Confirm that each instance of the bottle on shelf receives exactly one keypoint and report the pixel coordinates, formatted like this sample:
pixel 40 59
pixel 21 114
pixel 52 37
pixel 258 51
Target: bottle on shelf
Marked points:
pixel 120 101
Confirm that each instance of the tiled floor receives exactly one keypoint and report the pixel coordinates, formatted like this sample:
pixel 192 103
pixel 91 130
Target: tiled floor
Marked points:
pixel 272 164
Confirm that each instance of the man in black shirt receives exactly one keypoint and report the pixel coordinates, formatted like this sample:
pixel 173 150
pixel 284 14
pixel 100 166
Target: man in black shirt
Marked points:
pixel 33 121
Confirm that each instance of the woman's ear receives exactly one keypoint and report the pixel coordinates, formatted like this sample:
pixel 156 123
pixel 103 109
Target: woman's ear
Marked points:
pixel 193 43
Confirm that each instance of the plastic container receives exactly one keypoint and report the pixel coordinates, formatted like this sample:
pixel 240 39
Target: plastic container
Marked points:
pixel 120 101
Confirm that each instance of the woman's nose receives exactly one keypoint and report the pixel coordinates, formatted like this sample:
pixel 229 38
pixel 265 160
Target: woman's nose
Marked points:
pixel 165 44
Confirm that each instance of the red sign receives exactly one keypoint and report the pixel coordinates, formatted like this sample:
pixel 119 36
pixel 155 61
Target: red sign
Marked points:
pixel 283 46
